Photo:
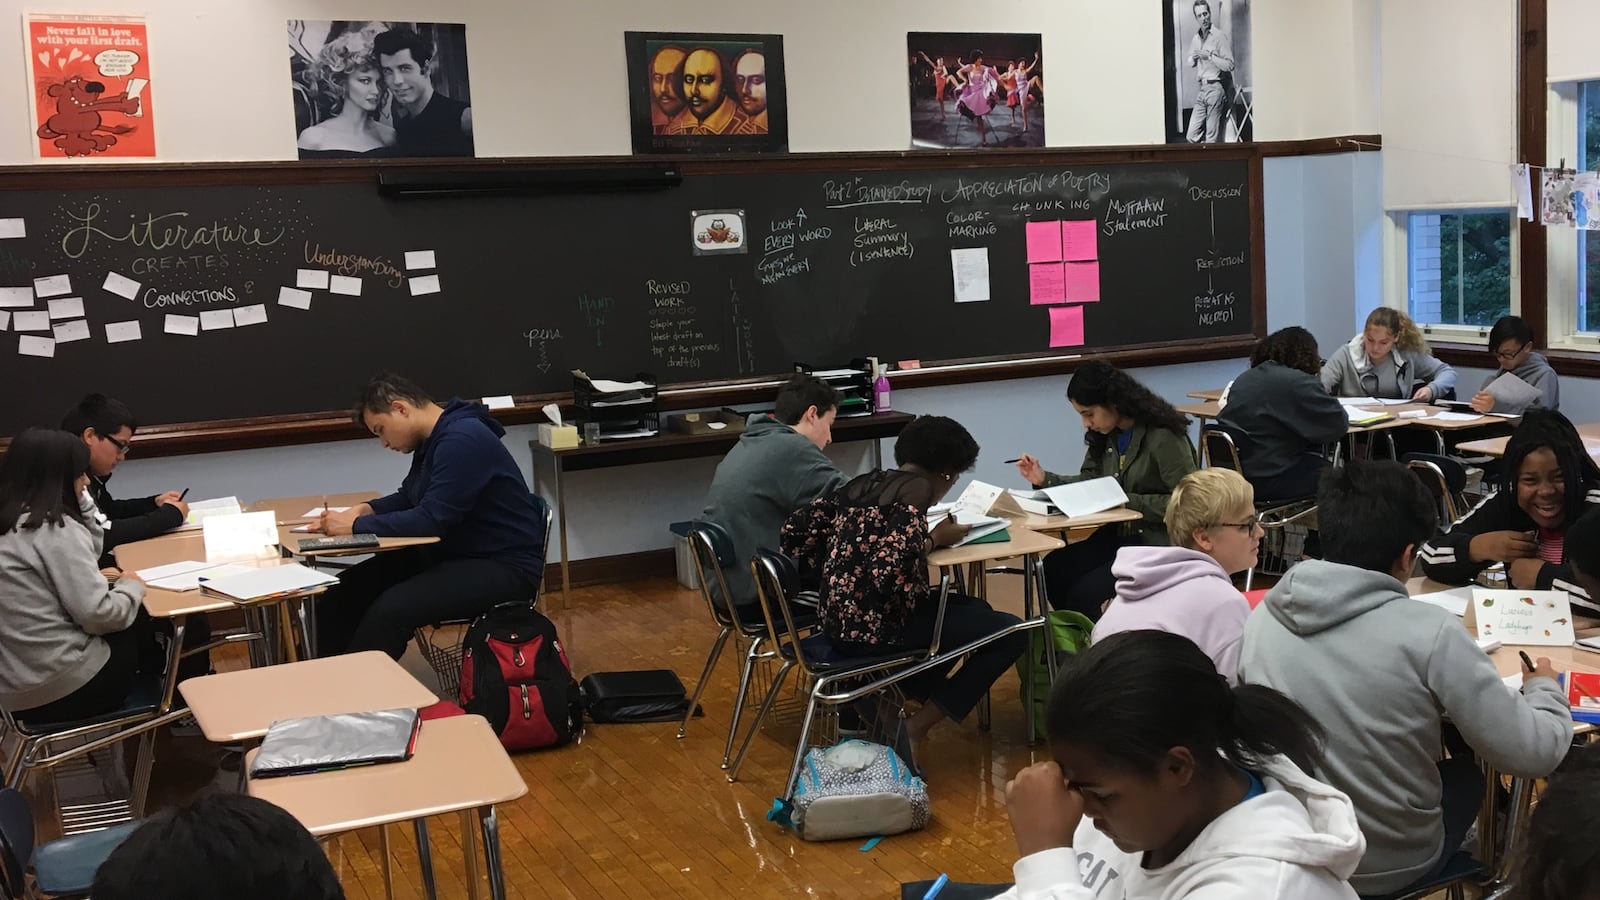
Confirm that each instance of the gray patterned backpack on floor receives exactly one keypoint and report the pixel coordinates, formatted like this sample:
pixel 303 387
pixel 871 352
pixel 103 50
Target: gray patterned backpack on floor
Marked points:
pixel 853 789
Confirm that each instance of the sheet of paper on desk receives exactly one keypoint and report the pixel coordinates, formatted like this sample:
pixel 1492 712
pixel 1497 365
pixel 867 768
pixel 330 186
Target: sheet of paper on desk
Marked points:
pixel 185 576
pixel 1082 498
pixel 1453 601
pixel 982 526
pixel 316 511
pixel 1513 683
pixel 977 498
pixel 1371 401
pixel 1523 617
pixel 1455 417
pixel 252 584
pixel 1509 390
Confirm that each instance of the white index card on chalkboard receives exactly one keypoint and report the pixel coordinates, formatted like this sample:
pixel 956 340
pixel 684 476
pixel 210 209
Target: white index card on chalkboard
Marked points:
pixel 33 345
pixel 288 296
pixel 216 319
pixel 315 279
pixel 52 286
pixel 15 297
pixel 177 324
pixel 344 284
pixel 423 284
pixel 31 320
pixel 419 259
pixel 66 308
pixel 5 320
pixel 66 332
pixel 13 228
pixel 118 332
pixel 255 314
pixel 121 285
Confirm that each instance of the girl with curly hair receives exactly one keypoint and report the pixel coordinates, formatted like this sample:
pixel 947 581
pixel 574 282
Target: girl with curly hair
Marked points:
pixel 1135 437
pixel 1281 418
pixel 352 96
pixel 1388 360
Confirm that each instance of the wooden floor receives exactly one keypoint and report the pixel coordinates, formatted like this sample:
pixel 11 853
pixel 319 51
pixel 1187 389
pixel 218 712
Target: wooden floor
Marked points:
pixel 632 811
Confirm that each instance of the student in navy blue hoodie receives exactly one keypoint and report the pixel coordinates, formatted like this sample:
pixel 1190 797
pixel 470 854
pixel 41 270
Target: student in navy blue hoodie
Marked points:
pixel 463 488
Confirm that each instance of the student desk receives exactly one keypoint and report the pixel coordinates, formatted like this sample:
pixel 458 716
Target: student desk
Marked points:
pixel 1496 446
pixel 293 509
pixel 241 705
pixel 1210 409
pixel 666 447
pixel 459 766
pixel 1212 394
pixel 1062 525
pixel 1029 545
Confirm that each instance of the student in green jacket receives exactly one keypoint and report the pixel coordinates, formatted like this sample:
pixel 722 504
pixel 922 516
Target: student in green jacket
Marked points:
pixel 1139 439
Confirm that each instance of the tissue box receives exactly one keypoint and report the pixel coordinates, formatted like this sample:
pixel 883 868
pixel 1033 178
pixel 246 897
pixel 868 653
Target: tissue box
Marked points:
pixel 558 437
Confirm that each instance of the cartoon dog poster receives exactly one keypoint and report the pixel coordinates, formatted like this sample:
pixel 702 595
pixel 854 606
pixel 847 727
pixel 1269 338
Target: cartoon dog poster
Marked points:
pixel 90 87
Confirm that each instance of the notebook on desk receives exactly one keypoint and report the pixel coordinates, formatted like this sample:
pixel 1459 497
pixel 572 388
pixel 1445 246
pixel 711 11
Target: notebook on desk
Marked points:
pixel 346 740
pixel 259 584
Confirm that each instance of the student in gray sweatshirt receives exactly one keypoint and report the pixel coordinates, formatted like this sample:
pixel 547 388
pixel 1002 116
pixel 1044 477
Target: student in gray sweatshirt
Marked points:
pixel 71 644
pixel 1381 672
pixel 1511 343
pixel 1389 360
pixel 777 467
pixel 1281 418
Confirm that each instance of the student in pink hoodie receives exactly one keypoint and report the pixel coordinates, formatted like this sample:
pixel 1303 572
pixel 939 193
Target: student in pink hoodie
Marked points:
pixel 1187 588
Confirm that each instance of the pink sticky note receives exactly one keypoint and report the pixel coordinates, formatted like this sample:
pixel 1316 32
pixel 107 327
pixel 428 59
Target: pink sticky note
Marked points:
pixel 1046 284
pixel 1066 326
pixel 1044 242
pixel 1082 282
pixel 1079 241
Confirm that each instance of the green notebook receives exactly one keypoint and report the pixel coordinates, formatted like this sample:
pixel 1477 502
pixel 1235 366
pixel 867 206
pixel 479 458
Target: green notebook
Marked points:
pixel 997 537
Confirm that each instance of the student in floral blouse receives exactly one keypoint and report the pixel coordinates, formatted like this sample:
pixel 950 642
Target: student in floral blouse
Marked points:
pixel 865 546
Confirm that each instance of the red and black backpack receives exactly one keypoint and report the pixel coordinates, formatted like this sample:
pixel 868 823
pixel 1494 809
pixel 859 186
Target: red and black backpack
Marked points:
pixel 515 674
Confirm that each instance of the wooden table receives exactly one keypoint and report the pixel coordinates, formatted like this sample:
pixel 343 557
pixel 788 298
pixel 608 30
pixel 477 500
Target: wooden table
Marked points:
pixel 1496 446
pixel 1061 525
pixel 1029 545
pixel 1212 394
pixel 241 705
pixel 459 766
pixel 1211 409
pixel 666 447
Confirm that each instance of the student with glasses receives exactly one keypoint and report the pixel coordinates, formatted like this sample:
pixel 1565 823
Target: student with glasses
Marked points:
pixel 106 427
pixel 1187 588
pixel 1511 344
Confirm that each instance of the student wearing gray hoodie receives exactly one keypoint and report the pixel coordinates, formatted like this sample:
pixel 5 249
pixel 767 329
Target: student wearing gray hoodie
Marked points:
pixel 1389 360
pixel 1511 343
pixel 777 467
pixel 1380 672
pixel 70 642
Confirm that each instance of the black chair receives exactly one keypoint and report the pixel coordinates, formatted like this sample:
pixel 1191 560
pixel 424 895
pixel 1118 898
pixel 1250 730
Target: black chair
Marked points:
pixel 712 549
pixel 1446 479
pixel 441 643
pixel 776 581
pixel 1219 448
pixel 63 868
pixel 1462 869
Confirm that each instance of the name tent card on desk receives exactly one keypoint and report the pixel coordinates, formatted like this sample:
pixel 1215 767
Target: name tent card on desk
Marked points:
pixel 241 536
pixel 1542 618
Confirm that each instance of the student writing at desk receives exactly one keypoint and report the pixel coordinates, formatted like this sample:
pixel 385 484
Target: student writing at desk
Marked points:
pixel 1135 437
pixel 1548 482
pixel 1388 360
pixel 71 646
pixel 777 467
pixel 1381 672
pixel 465 489
pixel 106 427
pixel 1281 417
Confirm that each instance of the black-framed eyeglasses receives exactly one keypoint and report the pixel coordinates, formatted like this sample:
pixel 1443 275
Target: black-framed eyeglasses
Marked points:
pixel 1513 354
pixel 122 446
pixel 1249 525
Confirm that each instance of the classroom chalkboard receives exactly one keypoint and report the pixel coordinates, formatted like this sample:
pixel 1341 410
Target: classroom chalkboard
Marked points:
pixel 271 299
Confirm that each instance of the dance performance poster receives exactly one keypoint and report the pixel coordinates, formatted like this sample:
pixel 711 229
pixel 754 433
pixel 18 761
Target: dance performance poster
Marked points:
pixel 89 86
pixel 975 90
pixel 706 93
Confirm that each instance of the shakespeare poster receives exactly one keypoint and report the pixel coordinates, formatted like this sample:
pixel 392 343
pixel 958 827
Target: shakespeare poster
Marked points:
pixel 706 93
pixel 90 79
pixel 1210 93
pixel 368 89
pixel 975 90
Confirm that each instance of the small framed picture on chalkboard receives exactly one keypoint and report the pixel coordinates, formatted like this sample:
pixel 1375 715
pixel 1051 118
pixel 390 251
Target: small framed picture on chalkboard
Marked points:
pixel 706 93
pixel 718 231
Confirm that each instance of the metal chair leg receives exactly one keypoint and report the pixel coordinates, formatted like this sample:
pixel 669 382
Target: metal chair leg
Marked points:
pixel 491 852
pixel 761 716
pixel 750 657
pixel 800 743
pixel 425 858
pixel 144 763
pixel 705 674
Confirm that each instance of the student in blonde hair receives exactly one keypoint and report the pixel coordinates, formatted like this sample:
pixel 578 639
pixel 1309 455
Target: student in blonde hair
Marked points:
pixel 1388 360
pixel 1186 588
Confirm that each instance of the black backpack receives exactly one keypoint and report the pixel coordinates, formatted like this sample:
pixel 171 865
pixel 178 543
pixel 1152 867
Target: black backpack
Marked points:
pixel 515 674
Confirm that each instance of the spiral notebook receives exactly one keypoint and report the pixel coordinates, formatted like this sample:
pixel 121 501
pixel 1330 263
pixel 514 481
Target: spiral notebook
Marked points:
pixel 321 743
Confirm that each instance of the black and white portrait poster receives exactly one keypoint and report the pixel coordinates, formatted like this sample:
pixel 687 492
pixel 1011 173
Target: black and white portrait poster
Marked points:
pixel 975 89
pixel 706 93
pixel 1210 94
pixel 379 89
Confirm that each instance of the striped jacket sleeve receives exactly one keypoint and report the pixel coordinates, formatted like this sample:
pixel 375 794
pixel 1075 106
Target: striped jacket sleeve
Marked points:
pixel 1446 558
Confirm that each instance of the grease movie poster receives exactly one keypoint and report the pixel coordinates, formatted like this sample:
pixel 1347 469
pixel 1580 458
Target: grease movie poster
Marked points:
pixel 90 87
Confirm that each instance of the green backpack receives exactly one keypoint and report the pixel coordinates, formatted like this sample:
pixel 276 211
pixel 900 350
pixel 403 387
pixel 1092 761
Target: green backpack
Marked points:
pixel 1068 633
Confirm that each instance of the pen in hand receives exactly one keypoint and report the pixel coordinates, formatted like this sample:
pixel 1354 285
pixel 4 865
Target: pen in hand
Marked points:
pixel 1526 661
pixel 183 495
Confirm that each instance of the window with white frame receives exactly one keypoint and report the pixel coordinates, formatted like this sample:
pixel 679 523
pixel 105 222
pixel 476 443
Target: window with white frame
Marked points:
pixel 1458 266
pixel 1586 315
